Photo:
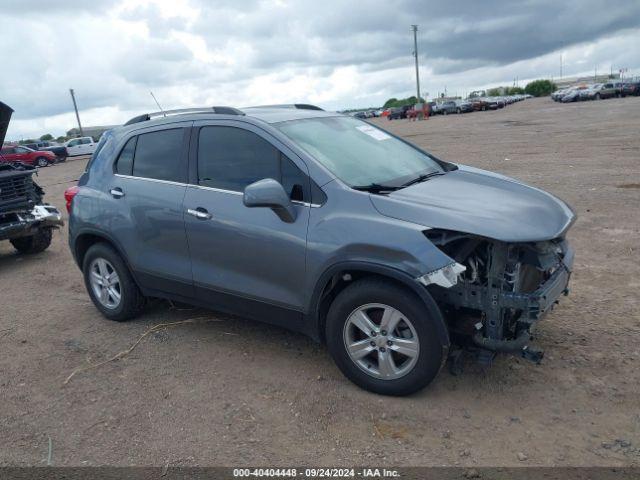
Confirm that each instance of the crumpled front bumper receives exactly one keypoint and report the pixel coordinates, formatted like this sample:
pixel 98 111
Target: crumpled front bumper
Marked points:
pixel 24 224
pixel 534 305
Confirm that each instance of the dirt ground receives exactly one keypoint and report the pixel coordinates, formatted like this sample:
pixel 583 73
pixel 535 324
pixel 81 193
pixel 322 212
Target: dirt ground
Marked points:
pixel 235 392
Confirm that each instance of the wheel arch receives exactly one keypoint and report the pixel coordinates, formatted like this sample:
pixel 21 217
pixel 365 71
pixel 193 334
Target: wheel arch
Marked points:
pixel 88 237
pixel 337 277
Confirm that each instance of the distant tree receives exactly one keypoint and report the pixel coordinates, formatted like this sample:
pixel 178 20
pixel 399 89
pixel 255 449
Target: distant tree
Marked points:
pixel 494 92
pixel 390 103
pixel 46 137
pixel 540 88
pixel 27 140
pixel 61 139
pixel 514 91
pixel 395 102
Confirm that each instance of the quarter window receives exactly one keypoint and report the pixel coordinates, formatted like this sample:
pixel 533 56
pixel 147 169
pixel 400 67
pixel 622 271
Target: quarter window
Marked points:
pixel 124 165
pixel 231 158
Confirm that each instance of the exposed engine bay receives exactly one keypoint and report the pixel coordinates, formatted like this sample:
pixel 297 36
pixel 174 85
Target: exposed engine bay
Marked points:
pixel 502 291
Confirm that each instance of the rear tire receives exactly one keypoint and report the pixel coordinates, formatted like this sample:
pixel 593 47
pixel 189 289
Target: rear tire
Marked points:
pixel 418 324
pixel 597 97
pixel 35 243
pixel 130 301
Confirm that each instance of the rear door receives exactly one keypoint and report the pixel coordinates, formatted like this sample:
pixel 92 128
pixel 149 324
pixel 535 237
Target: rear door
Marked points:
pixel 8 154
pixel 246 260
pixel 74 147
pixel 148 190
pixel 22 154
pixel 88 145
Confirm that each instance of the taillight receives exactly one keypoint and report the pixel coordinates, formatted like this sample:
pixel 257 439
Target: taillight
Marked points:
pixel 69 193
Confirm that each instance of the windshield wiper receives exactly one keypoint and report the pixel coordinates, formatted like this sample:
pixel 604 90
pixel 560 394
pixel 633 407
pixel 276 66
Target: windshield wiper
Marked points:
pixel 376 188
pixel 422 178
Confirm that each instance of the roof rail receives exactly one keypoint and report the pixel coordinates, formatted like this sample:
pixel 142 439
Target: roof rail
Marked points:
pixel 164 113
pixel 297 106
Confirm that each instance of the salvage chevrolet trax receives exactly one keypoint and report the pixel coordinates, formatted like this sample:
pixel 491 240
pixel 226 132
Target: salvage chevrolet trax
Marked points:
pixel 323 224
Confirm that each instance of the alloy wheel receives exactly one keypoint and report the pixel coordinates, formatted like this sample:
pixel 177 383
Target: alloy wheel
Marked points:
pixel 381 341
pixel 105 283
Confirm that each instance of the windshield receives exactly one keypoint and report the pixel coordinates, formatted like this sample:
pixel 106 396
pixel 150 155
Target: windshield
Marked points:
pixel 357 152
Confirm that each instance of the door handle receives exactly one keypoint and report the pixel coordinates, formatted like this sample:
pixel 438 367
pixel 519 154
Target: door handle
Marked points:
pixel 116 192
pixel 200 213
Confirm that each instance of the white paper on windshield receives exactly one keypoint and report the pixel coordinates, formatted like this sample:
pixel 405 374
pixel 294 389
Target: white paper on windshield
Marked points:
pixel 373 132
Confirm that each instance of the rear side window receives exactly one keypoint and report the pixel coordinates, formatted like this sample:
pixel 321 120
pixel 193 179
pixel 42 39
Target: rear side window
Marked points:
pixel 124 166
pixel 231 158
pixel 158 155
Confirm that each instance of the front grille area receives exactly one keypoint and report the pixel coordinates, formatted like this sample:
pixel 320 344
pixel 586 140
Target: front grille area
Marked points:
pixel 16 190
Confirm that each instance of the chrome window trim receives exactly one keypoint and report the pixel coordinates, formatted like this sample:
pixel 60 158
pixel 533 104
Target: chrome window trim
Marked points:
pixel 201 187
pixel 147 179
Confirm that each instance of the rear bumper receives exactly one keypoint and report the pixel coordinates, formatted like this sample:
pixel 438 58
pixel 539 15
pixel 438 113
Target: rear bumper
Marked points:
pixel 24 224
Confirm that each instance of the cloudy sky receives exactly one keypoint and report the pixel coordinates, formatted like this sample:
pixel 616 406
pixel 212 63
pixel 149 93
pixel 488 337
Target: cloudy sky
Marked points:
pixel 334 53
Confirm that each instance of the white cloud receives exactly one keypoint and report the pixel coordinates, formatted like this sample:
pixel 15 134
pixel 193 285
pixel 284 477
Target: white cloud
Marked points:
pixel 335 53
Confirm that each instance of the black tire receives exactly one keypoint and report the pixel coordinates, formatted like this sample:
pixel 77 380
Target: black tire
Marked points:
pixel 42 162
pixel 459 111
pixel 423 317
pixel 35 243
pixel 597 97
pixel 131 301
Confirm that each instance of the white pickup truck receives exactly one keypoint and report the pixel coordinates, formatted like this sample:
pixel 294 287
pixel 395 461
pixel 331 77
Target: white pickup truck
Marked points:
pixel 80 146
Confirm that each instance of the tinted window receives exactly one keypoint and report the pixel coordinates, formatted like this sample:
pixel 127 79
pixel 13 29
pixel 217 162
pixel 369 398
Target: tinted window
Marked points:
pixel 158 155
pixel 231 158
pixel 87 140
pixel 124 166
pixel 73 143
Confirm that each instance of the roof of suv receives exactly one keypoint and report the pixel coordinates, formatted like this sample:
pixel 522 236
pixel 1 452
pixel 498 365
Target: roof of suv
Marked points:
pixel 268 114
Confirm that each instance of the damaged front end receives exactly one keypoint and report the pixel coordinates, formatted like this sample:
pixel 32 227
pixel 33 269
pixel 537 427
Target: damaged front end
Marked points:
pixel 22 211
pixel 495 291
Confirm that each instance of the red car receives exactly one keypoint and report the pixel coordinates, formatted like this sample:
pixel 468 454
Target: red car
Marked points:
pixel 22 154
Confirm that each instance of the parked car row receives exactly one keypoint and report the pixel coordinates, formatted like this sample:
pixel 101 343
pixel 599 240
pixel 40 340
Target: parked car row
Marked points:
pixel 457 106
pixel 42 154
pixel 367 114
pixel 596 91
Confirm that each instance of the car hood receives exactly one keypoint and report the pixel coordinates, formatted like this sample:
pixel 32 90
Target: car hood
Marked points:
pixel 5 117
pixel 482 203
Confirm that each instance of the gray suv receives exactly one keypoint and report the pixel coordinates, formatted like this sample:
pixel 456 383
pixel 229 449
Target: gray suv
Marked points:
pixel 323 224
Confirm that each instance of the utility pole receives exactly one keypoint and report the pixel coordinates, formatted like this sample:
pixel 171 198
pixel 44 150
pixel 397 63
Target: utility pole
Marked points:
pixel 415 54
pixel 75 107
pixel 560 66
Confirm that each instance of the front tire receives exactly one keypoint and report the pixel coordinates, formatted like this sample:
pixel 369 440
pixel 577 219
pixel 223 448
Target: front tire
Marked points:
pixel 110 284
pixel 42 162
pixel 35 243
pixel 383 337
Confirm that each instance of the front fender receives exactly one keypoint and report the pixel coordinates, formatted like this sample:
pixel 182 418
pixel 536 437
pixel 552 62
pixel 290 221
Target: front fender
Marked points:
pixel 381 270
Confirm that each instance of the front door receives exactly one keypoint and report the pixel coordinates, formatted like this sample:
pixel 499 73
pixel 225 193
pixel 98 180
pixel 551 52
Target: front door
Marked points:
pixel 245 260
